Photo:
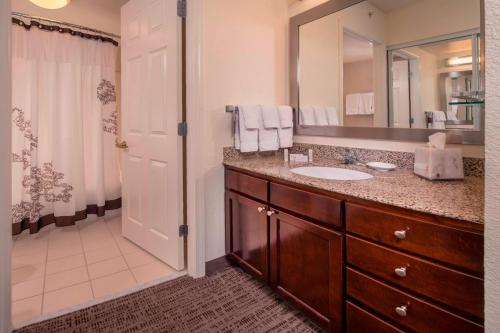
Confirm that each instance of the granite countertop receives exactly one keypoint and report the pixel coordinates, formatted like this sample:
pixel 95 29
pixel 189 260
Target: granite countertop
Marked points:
pixel 463 200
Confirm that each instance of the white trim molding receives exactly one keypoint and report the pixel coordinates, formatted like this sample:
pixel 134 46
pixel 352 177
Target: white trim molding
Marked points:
pixel 5 168
pixel 195 181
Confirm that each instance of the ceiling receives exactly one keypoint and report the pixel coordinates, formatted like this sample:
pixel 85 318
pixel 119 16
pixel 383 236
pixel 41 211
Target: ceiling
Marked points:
pixel 107 4
pixel 390 5
pixel 447 48
pixel 356 49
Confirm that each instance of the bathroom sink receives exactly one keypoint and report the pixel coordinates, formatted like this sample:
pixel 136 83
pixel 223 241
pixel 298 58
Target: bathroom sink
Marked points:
pixel 331 173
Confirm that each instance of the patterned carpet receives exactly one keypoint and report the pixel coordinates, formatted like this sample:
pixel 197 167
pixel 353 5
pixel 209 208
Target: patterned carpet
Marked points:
pixel 229 301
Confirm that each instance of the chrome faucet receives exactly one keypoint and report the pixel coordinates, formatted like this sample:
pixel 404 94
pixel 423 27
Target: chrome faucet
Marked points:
pixel 350 157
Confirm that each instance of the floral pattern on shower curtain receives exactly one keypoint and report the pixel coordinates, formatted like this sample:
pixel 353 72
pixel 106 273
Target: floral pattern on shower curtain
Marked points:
pixel 64 127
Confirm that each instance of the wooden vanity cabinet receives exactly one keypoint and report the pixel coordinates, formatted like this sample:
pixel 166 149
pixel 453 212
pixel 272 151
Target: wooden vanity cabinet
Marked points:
pixel 300 257
pixel 247 234
pixel 413 272
pixel 306 267
pixel 356 266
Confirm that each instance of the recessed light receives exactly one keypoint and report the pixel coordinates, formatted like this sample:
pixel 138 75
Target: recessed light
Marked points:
pixel 51 4
pixel 458 61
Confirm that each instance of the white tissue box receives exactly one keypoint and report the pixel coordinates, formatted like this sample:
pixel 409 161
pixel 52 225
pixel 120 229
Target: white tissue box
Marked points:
pixel 433 163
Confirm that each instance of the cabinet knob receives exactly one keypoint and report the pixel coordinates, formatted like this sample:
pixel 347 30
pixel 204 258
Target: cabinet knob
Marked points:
pixel 271 212
pixel 402 310
pixel 400 271
pixel 261 209
pixel 400 234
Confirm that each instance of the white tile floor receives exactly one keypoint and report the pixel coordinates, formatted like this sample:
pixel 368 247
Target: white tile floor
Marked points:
pixel 63 267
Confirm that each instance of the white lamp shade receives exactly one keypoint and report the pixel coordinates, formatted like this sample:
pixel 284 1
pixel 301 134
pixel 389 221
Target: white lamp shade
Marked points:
pixel 51 4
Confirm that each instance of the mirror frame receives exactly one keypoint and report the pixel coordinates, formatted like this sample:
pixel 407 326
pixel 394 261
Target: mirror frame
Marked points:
pixel 454 136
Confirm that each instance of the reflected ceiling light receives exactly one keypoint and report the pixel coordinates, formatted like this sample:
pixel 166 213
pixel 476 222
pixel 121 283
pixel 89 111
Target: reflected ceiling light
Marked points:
pixel 51 4
pixel 459 61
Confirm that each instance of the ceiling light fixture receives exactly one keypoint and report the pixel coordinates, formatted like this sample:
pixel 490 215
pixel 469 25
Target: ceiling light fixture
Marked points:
pixel 459 61
pixel 51 4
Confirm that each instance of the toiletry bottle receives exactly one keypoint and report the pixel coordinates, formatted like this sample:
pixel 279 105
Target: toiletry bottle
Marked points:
pixel 286 155
pixel 310 155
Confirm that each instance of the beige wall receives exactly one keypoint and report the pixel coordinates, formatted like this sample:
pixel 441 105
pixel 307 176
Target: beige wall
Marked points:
pixel 492 209
pixel 358 78
pixel 90 13
pixel 428 18
pixel 243 61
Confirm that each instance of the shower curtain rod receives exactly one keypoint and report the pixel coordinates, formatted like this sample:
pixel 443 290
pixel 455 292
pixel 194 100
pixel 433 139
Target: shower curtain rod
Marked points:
pixel 64 23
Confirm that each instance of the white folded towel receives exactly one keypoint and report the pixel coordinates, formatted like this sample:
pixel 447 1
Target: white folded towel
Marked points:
pixel 307 117
pixel 320 116
pixel 251 115
pixel 270 117
pixel 268 137
pixel 333 117
pixel 438 120
pixel 286 116
pixel 367 103
pixel 438 116
pixel 285 131
pixel 353 104
pixel 246 140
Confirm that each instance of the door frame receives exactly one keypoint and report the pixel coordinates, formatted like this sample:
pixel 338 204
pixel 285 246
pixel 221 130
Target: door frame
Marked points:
pixel 195 186
pixel 195 183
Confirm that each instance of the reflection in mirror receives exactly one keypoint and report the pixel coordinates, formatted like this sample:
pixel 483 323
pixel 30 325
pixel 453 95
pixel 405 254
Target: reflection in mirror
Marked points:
pixel 410 64
pixel 433 83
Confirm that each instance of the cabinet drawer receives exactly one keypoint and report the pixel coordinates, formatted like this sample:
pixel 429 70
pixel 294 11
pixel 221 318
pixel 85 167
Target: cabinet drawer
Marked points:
pixel 456 247
pixel 361 321
pixel 251 186
pixel 455 289
pixel 420 315
pixel 314 206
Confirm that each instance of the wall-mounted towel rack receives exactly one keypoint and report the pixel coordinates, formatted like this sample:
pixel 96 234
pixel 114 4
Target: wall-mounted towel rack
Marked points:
pixel 231 108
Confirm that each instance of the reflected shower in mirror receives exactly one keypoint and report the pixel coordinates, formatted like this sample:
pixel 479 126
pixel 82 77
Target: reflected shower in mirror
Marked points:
pixel 402 64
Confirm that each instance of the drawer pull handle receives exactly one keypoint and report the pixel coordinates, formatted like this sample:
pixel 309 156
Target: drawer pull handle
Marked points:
pixel 400 271
pixel 400 234
pixel 261 209
pixel 402 311
pixel 271 212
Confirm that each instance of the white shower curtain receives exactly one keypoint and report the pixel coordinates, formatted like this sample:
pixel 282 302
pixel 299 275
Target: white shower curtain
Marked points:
pixel 64 126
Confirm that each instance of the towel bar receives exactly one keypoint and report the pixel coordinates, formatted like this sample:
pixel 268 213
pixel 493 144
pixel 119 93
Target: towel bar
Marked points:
pixel 231 108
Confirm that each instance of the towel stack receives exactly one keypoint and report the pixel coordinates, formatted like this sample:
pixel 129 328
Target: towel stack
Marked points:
pixel 319 116
pixel 360 104
pixel 438 119
pixel 263 128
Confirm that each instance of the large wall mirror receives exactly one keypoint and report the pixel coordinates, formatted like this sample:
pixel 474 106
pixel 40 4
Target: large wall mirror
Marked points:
pixel 389 69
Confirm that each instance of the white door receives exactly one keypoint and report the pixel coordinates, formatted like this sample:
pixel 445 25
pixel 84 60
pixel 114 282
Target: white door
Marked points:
pixel 152 164
pixel 401 94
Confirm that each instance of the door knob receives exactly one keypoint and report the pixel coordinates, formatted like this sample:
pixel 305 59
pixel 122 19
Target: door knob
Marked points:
pixel 400 271
pixel 261 209
pixel 400 234
pixel 271 212
pixel 402 311
pixel 121 144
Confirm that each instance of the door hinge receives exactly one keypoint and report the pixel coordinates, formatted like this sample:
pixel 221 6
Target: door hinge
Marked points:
pixel 182 129
pixel 183 230
pixel 182 8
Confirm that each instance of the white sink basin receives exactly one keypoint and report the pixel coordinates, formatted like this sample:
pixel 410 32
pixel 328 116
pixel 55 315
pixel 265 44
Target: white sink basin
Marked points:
pixel 331 173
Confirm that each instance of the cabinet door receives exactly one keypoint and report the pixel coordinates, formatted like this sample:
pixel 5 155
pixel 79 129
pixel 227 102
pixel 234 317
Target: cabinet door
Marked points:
pixel 306 267
pixel 247 234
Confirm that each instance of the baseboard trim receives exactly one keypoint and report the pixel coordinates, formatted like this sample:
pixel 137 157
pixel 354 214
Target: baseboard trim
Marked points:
pixel 214 266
